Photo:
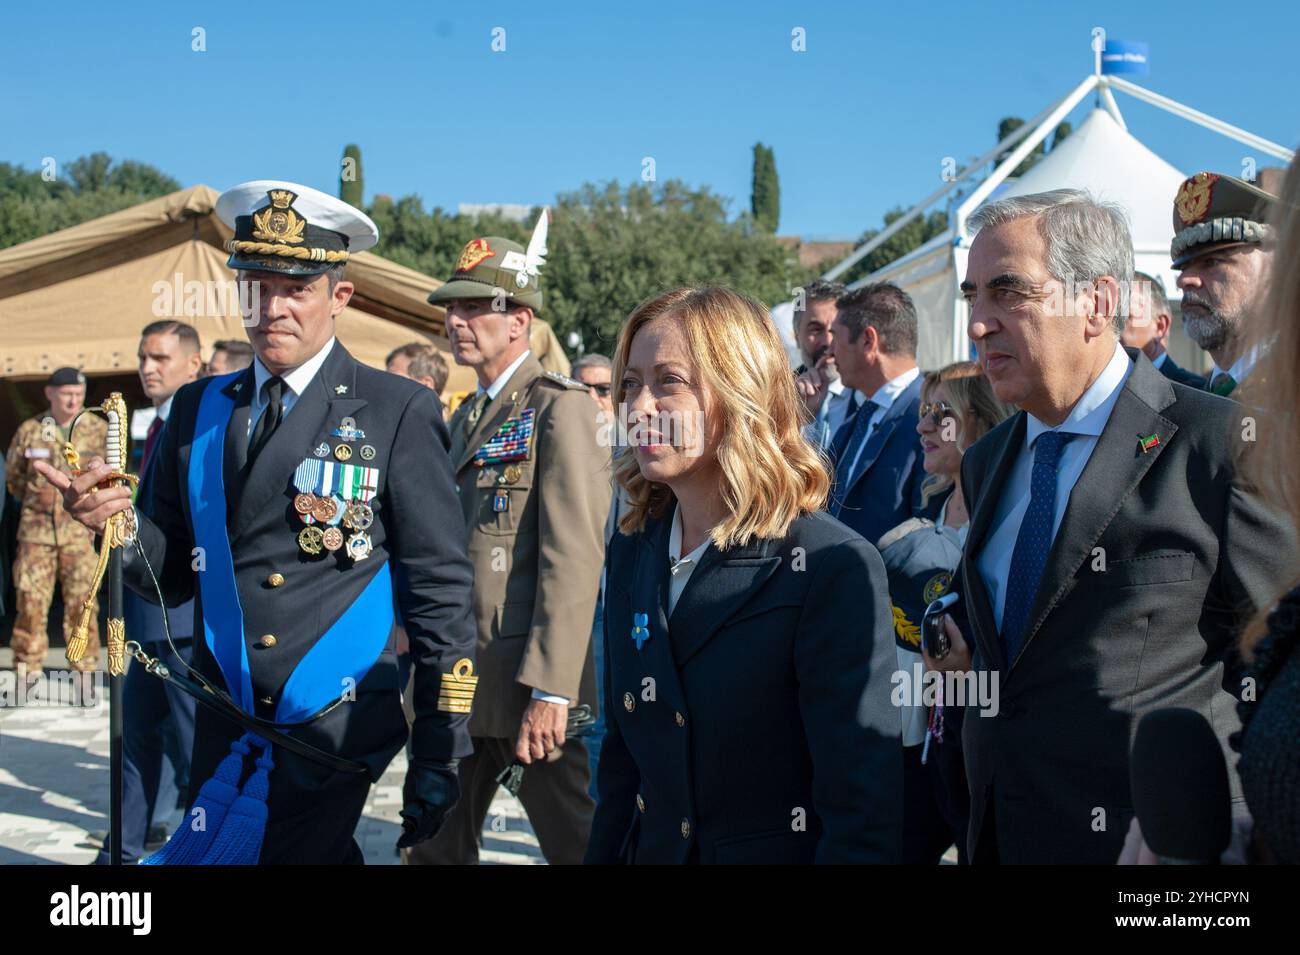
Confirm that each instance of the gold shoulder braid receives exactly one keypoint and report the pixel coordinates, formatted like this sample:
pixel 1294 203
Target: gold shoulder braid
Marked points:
pixel 457 692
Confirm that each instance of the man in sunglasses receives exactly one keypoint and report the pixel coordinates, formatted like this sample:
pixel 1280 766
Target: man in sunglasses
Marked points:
pixel 596 372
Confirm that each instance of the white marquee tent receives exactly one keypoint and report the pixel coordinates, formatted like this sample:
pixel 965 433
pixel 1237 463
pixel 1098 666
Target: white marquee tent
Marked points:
pixel 1101 156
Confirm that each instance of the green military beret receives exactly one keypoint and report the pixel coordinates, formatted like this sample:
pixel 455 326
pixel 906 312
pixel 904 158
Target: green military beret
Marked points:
pixel 492 266
pixel 1213 211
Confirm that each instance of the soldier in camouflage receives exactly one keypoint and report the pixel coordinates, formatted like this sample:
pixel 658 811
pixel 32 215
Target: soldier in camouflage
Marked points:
pixel 51 545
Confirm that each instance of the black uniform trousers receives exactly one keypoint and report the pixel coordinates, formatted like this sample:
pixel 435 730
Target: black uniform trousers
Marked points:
pixel 554 793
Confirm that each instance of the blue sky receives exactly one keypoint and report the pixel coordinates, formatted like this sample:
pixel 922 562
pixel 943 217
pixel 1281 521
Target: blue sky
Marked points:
pixel 860 122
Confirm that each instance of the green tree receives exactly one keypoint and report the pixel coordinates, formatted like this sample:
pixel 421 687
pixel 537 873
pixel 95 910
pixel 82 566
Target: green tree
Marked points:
pixel 1005 128
pixel 83 189
pixel 912 236
pixel 765 191
pixel 611 246
pixel 1062 132
pixel 351 181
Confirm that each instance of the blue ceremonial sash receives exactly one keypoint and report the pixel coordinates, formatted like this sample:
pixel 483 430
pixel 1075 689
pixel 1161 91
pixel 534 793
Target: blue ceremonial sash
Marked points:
pixel 348 649
pixel 233 808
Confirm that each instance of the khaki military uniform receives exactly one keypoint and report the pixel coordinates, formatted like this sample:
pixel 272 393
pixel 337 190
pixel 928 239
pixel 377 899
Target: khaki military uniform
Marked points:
pixel 51 545
pixel 536 542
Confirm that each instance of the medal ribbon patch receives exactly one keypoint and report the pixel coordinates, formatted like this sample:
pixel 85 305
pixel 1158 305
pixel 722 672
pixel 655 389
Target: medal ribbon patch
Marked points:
pixel 348 481
pixel 510 443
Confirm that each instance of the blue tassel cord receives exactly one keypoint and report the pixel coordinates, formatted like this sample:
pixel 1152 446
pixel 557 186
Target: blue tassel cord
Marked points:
pixel 240 839
pixel 222 807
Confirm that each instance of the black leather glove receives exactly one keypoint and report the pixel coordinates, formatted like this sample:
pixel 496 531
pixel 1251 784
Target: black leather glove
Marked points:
pixel 429 792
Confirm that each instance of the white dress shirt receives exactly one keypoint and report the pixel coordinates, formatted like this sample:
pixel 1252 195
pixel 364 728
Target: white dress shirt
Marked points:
pixel 1239 368
pixel 1086 420
pixel 962 531
pixel 295 382
pixel 680 568
pixel 884 398
pixel 835 408
pixel 499 382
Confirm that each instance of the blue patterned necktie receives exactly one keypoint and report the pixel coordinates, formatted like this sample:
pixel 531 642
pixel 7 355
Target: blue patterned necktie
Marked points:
pixel 856 439
pixel 1033 543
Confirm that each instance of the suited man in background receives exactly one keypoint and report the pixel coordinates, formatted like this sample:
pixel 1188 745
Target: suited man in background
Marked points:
pixel 879 467
pixel 534 485
pixel 1112 552
pixel 1222 250
pixel 156 716
pixel 820 385
pixel 596 372
pixel 1148 326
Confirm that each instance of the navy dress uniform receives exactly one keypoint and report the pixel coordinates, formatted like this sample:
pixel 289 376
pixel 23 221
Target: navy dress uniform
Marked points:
pixel 920 557
pixel 730 717
pixel 304 507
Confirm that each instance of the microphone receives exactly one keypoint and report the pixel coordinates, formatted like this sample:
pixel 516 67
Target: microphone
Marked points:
pixel 1180 789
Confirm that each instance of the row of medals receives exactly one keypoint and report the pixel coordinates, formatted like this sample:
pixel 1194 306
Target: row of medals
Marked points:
pixel 356 516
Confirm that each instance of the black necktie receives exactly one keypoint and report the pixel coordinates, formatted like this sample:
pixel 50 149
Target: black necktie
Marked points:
pixel 270 419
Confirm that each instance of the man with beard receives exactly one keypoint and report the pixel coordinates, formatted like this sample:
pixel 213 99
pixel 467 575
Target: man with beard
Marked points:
pixel 818 381
pixel 1223 248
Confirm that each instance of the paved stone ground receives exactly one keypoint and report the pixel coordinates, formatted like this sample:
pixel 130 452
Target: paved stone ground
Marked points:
pixel 54 790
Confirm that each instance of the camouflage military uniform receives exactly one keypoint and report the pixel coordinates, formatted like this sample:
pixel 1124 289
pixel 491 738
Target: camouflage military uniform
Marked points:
pixel 51 545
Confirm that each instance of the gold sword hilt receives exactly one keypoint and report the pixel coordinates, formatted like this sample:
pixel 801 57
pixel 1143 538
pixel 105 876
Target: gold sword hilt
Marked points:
pixel 117 530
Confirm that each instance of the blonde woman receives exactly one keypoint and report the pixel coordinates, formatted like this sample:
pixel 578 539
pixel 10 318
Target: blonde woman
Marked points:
pixel 741 622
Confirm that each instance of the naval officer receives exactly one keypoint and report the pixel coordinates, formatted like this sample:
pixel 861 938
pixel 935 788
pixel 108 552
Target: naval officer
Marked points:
pixel 292 499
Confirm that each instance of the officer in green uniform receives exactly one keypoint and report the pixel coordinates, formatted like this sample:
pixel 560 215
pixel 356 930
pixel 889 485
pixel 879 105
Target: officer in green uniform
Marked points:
pixel 534 485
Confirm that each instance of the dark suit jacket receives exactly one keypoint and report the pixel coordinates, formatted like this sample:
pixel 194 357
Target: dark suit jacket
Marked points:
pixel 892 469
pixel 1188 554
pixel 732 733
pixel 143 619
pixel 417 528
pixel 1176 372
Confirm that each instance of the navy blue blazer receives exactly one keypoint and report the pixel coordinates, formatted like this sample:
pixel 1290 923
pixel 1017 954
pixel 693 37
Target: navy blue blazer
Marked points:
pixel 144 620
pixel 733 732
pixel 888 487
pixel 418 529
pixel 1176 372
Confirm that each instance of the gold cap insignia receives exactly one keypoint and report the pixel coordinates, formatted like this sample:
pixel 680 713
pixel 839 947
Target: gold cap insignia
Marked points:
pixel 475 251
pixel 935 587
pixel 1193 199
pixel 278 222
pixel 457 691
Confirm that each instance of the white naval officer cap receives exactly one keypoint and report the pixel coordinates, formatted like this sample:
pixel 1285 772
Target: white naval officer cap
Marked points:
pixel 286 227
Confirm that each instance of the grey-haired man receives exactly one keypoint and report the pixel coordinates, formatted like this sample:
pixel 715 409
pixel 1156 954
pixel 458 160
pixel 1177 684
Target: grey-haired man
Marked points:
pixel 1112 553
